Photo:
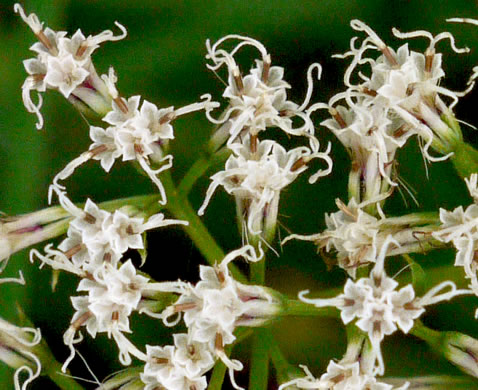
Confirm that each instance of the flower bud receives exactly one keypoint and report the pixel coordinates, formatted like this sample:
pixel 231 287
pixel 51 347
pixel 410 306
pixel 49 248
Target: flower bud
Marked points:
pixel 462 351
pixel 22 231
pixel 124 380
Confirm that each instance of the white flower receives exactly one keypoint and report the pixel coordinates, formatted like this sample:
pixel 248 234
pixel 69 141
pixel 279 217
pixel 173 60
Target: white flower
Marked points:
pixel 403 83
pixel 258 100
pixel 256 178
pixel 196 357
pixel 461 228
pixel 379 307
pixel 65 74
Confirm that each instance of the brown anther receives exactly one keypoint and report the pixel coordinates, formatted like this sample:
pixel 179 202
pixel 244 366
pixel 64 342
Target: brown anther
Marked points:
pixel 121 104
pixel 409 306
pixel 285 113
pixel 73 251
pixel 115 316
pixel 89 218
pixel 342 207
pixel 376 327
pixel 192 387
pixel 338 118
pixel 253 143
pixel 81 320
pixel 372 130
pixel 234 179
pixel 349 302
pixel 46 42
pixel 130 230
pixel 298 164
pixel 184 306
pixel 239 82
pixel 89 276
pixel 81 50
pixel 167 118
pixel 389 56
pixel 369 91
pixel 266 67
pixel 410 89
pixel 400 131
pixel 220 276
pixel 355 166
pixel 377 279
pixel 429 56
pixel 337 379
pixel 157 360
pixel 191 349
pixel 475 257
pixel 138 149
pixel 218 343
pixel 38 77
pixel 107 257
pixel 98 150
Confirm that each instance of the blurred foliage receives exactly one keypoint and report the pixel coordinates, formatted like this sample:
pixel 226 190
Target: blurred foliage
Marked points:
pixel 162 59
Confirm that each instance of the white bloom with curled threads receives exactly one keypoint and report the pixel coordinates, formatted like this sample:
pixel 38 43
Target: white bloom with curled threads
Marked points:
pixel 256 178
pixel 258 100
pixel 406 84
pixel 339 376
pixel 379 307
pixel 460 227
pixel 136 134
pixel 218 304
pixel 64 64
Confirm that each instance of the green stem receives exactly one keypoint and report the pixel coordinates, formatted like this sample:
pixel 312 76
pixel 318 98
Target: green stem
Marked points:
pixel 465 159
pixel 179 206
pixel 432 337
pixel 284 370
pixel 143 202
pixel 259 372
pixel 63 381
pixel 294 307
pixel 198 169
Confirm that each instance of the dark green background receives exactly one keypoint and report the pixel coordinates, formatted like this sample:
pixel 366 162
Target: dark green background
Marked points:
pixel 162 59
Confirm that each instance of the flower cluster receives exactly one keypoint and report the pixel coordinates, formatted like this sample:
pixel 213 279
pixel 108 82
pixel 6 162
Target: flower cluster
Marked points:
pixel 64 64
pixel 258 170
pixel 378 307
pixel 460 227
pixel 401 97
pixel 218 304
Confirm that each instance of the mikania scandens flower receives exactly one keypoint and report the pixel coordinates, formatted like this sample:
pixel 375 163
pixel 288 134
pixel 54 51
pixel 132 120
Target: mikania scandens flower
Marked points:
pixel 460 227
pixel 96 236
pixel 407 85
pixel 135 133
pixel 379 307
pixel 181 366
pixel 256 178
pixel 356 237
pixel 258 100
pixel 353 372
pixel 217 304
pixel 21 231
pixel 64 64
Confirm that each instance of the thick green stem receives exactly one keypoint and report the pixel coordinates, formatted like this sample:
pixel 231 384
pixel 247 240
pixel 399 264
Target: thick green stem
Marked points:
pixel 465 159
pixel 179 206
pixel 63 381
pixel 259 372
pixel 298 308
